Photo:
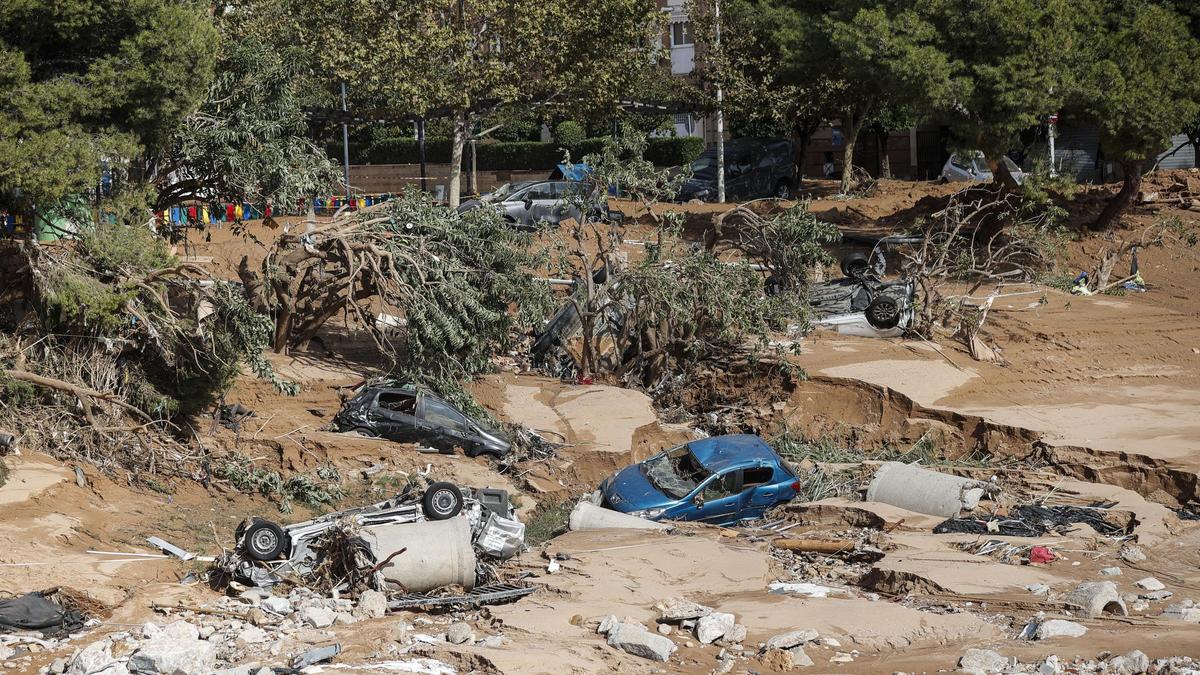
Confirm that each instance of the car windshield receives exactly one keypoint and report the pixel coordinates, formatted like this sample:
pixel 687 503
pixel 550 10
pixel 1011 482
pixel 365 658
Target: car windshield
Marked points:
pixel 675 473
pixel 500 193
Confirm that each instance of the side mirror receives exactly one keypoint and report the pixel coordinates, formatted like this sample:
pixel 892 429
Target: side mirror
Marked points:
pixel 698 500
pixel 528 203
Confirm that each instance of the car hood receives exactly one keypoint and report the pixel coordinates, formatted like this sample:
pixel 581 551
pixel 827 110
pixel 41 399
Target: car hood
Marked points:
pixel 469 204
pixel 629 490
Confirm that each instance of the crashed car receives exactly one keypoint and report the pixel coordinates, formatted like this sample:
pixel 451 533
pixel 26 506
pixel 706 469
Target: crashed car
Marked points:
pixel 721 480
pixel 861 302
pixel 408 414
pixel 494 527
pixel 973 168
pixel 526 204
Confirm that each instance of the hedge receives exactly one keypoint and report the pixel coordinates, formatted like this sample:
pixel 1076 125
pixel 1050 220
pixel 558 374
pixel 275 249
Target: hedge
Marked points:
pixel 516 156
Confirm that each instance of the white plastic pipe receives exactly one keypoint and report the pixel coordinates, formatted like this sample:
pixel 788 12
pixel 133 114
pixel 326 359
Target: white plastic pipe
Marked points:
pixel 439 553
pixel 916 489
pixel 588 516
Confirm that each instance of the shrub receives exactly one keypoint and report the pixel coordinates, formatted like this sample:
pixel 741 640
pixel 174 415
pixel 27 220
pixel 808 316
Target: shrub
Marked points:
pixel 569 133
pixel 119 249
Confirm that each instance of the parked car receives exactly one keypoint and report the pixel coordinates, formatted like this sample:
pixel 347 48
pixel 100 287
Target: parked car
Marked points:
pixel 525 204
pixel 721 480
pixel 754 167
pixel 407 414
pixel 974 168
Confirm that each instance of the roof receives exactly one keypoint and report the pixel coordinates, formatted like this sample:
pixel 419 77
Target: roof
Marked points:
pixel 719 453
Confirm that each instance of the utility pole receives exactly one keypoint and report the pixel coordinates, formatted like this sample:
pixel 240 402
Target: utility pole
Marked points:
pixel 720 118
pixel 421 151
pixel 345 141
pixel 1051 133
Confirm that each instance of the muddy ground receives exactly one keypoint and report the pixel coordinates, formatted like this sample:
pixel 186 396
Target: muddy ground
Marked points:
pixel 1094 399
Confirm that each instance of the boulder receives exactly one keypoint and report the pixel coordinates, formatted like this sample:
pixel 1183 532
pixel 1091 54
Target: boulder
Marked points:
pixel 609 622
pixel 712 627
pixel 678 609
pixel 181 630
pixel 459 633
pixel 91 659
pixel 317 617
pixel 635 639
pixel 1110 572
pixel 371 605
pixel 175 656
pixel 735 635
pixel 253 635
pixel 982 662
pixel 1094 598
pixel 1049 666
pixel 664 629
pixel 1132 663
pixel 276 605
pixel 1150 584
pixel 799 658
pixel 1059 628
pixel 1156 595
pixel 792 639
pixel 1131 554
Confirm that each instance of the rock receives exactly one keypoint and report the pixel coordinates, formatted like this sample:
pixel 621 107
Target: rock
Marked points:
pixel 712 627
pixel 553 567
pixel 1094 598
pixel 1038 589
pixel 799 658
pixel 1131 554
pixel 678 609
pixel 607 623
pixel 459 633
pixel 175 656
pixel 317 617
pixel 371 605
pixel 1059 628
pixel 793 639
pixel 150 630
pixel 344 618
pixel 59 666
pixel 982 661
pixel 1110 572
pixel 313 636
pixel 635 639
pixel 1049 666
pixel 735 635
pixel 1185 610
pixel 664 629
pixel 841 657
pixel 275 605
pixel 777 660
pixel 1131 663
pixel 91 659
pixel 253 635
pixel 492 641
pixel 1150 584
pixel 181 630
pixel 1157 595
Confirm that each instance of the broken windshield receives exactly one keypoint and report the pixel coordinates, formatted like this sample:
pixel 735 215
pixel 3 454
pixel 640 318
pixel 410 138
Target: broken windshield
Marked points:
pixel 675 473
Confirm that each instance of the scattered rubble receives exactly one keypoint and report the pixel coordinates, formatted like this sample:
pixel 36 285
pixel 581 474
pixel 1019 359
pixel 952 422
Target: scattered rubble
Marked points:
pixel 983 662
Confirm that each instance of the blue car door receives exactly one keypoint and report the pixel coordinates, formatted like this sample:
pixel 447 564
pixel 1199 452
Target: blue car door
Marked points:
pixel 718 500
pixel 760 491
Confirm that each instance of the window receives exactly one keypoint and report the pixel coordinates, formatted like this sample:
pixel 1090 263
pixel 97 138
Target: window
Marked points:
pixel 540 191
pixel 443 415
pixel 721 487
pixel 760 475
pixel 398 402
pixel 681 33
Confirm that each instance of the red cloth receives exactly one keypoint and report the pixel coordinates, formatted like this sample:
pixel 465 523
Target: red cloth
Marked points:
pixel 229 212
pixel 1040 555
pixel 191 213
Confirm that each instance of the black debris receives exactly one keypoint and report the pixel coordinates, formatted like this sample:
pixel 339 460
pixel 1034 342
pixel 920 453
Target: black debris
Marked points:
pixel 1034 521
pixel 34 611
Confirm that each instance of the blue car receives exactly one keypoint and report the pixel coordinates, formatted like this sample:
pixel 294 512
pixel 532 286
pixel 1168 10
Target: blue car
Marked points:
pixel 720 480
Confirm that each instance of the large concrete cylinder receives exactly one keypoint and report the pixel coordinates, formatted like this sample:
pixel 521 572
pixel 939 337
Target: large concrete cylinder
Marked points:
pixel 588 516
pixel 924 491
pixel 439 553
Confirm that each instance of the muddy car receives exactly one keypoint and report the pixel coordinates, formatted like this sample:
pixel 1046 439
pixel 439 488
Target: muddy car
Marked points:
pixel 407 414
pixel 862 302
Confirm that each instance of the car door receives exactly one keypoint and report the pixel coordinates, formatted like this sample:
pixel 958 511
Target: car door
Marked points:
pixel 739 176
pixel 759 491
pixel 541 202
pixel 718 500
pixel 450 429
pixel 393 415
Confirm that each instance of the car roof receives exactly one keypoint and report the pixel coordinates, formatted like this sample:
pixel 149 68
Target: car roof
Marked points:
pixel 719 453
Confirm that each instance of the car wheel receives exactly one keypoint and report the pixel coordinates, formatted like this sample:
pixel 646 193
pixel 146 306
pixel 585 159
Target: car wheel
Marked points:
pixel 856 265
pixel 442 501
pixel 364 432
pixel 783 190
pixel 883 313
pixel 264 540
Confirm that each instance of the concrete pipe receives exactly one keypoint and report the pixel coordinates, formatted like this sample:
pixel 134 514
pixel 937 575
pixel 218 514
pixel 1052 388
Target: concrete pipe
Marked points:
pixel 439 553
pixel 588 516
pixel 916 489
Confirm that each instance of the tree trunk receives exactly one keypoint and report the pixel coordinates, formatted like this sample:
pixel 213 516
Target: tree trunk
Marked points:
pixel 885 164
pixel 853 124
pixel 1116 206
pixel 1002 176
pixel 804 130
pixel 456 155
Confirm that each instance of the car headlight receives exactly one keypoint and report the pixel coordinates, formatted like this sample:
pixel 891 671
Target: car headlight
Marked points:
pixel 648 514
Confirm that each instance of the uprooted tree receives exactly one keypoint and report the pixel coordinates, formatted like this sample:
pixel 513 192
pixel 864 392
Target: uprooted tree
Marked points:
pixel 644 321
pixel 110 345
pixel 432 287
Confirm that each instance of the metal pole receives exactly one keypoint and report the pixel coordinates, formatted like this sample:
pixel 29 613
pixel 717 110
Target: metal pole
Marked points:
pixel 345 142
pixel 473 188
pixel 720 118
pixel 421 150
pixel 1053 131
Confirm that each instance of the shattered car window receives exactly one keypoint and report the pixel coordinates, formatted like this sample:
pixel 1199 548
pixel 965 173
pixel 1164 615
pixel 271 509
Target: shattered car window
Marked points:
pixel 441 414
pixel 397 402
pixel 675 473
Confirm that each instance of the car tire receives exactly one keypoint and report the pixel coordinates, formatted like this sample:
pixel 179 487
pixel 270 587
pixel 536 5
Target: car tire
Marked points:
pixel 783 190
pixel 264 540
pixel 883 313
pixel 364 432
pixel 442 501
pixel 856 265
